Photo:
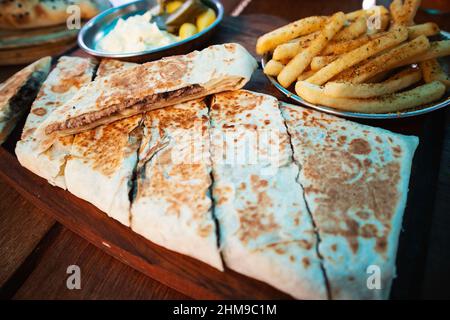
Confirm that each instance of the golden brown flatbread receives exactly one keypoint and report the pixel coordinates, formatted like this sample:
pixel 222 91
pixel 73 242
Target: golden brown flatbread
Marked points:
pixel 355 180
pixel 172 206
pixel 265 229
pixel 68 76
pixel 18 92
pixel 26 14
pixel 102 160
pixel 150 86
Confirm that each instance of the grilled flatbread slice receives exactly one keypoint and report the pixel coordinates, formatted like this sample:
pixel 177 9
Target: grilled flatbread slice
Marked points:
pixel 102 160
pixel 265 229
pixel 150 86
pixel 69 75
pixel 355 180
pixel 172 206
pixel 25 14
pixel 18 92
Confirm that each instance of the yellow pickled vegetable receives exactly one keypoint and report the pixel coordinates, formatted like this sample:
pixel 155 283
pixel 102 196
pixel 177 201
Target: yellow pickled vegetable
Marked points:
pixel 172 6
pixel 187 30
pixel 206 19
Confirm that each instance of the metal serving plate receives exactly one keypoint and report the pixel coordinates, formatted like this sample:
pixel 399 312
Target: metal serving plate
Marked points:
pixel 444 102
pixel 100 25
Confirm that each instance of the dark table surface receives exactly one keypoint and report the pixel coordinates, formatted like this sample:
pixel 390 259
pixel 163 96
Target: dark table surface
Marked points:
pixel 35 250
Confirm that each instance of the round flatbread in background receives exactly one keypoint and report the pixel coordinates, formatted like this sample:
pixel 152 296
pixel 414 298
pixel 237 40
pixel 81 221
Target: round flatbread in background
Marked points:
pixel 27 14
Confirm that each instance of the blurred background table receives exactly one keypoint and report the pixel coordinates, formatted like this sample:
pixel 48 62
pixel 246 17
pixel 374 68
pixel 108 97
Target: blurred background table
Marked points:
pixel 35 250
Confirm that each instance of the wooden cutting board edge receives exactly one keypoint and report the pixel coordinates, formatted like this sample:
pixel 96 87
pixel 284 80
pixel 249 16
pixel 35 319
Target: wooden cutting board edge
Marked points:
pixel 184 274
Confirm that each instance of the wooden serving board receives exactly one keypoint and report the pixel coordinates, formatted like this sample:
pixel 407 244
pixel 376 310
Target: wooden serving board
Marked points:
pixel 26 46
pixel 194 278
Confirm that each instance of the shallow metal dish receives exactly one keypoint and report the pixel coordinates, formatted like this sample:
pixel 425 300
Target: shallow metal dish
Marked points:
pixel 444 102
pixel 100 25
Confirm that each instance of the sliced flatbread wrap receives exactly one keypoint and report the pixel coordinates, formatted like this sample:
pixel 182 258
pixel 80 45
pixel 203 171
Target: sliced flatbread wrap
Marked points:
pixel 102 160
pixel 69 75
pixel 172 206
pixel 18 92
pixel 150 86
pixel 265 229
pixel 355 180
